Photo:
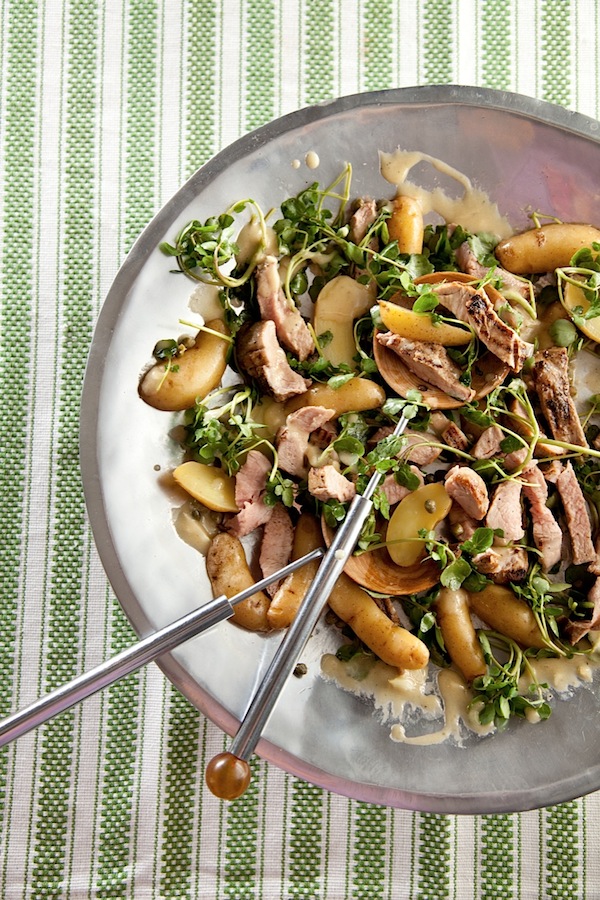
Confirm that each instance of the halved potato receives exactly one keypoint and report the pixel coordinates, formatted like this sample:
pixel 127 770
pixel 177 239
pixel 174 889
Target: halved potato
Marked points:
pixel 211 486
pixel 419 327
pixel 193 374
pixel 339 304
pixel 421 509
pixel 405 225
pixel 574 297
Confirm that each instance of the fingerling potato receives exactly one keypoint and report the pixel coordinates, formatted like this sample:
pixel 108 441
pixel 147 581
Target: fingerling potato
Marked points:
pixel 405 225
pixel 175 386
pixel 228 570
pixel 458 631
pixel 393 644
pixel 340 302
pixel 284 605
pixel 355 395
pixel 508 614
pixel 544 249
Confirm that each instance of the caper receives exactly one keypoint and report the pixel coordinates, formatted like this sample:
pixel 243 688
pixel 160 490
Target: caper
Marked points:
pixel 166 349
pixel 563 333
pixel 430 506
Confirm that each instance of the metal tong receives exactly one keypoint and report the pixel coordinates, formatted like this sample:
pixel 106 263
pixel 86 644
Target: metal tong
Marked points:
pixel 228 774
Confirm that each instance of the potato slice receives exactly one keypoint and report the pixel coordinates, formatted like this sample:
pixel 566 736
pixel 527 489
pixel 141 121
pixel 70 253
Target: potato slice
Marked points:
pixel 211 486
pixel 194 374
pixel 395 645
pixel 341 301
pixel 356 395
pixel 544 249
pixel 228 570
pixel 423 508
pixel 419 327
pixel 574 297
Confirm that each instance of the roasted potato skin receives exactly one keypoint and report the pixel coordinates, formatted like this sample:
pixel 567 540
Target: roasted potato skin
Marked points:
pixel 460 638
pixel 195 373
pixel 284 605
pixel 228 570
pixel 499 608
pixel 405 224
pixel 392 643
pixel 544 249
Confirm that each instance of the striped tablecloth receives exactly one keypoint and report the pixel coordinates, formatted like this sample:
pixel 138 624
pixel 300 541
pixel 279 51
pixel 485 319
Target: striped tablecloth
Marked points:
pixel 105 109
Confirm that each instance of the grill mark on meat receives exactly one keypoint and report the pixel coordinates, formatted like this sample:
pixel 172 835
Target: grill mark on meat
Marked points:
pixel 292 439
pixel 476 309
pixel 551 381
pixel 276 545
pixel 547 533
pixel 292 330
pixel 505 511
pixel 326 483
pixel 250 489
pixel 576 516
pixel 260 355
pixel 429 362
pixel 465 487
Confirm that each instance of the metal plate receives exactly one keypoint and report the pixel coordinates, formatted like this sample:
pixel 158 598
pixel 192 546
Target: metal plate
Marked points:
pixel 526 154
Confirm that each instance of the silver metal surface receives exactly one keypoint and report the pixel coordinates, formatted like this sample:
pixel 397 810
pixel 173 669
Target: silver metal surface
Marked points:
pixel 527 155
pixel 136 656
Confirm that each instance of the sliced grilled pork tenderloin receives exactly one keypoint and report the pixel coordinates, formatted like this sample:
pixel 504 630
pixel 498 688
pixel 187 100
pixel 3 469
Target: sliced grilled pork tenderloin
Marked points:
pixel 476 309
pixel 250 486
pixel 292 439
pixel 547 533
pixel 276 544
pixel 259 354
pixel 551 381
pixel 292 330
pixel 469 490
pixel 326 483
pixel 576 516
pixel 505 511
pixel 429 362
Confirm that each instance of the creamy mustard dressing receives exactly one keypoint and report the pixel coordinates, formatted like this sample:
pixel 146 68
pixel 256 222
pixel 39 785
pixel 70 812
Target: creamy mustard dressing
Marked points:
pixel 394 693
pixel 312 159
pixel 249 238
pixel 474 210
pixel 196 527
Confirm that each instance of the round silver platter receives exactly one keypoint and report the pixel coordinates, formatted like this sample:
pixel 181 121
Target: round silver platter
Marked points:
pixel 526 155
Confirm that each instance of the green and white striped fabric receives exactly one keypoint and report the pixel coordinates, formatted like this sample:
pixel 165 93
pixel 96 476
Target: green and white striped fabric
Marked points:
pixel 105 109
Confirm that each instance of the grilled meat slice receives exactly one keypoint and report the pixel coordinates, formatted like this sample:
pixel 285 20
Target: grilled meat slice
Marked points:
pixel 276 545
pixel 576 516
pixel 260 355
pixel 476 309
pixel 362 219
pixel 503 564
pixel 578 629
pixel 292 438
pixel 429 362
pixel 469 263
pixel 551 381
pixel 250 486
pixel 547 533
pixel 396 492
pixel 292 330
pixel 488 443
pixel 505 511
pixel 326 483
pixel 469 490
